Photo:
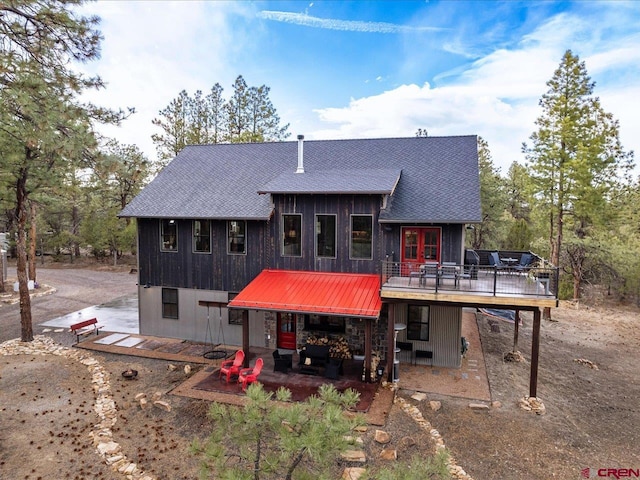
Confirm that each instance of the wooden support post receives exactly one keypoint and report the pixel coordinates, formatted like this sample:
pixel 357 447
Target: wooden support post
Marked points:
pixel 391 322
pixel 245 337
pixel 515 331
pixel 535 352
pixel 367 349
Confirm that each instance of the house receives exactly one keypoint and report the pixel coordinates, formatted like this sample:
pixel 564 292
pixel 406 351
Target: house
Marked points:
pixel 267 244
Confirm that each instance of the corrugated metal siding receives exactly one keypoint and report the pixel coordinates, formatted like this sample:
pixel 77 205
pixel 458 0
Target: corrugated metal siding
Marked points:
pixel 192 321
pixel 445 328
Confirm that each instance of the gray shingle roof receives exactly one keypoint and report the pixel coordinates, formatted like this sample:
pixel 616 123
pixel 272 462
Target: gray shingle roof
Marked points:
pixel 363 181
pixel 439 180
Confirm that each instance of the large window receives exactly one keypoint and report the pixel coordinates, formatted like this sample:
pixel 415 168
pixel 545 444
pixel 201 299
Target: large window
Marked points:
pixel 292 235
pixel 326 236
pixel 236 236
pixel 170 303
pixel 168 235
pixel 418 323
pixel 324 323
pixel 361 236
pixel 202 236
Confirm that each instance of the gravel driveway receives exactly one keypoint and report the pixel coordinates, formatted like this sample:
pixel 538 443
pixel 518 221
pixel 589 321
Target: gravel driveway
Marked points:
pixel 76 288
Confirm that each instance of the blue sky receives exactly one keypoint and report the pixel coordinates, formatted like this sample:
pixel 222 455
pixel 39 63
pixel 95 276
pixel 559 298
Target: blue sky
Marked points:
pixel 352 69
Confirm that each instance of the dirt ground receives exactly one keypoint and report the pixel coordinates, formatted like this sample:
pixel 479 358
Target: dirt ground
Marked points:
pixel 591 418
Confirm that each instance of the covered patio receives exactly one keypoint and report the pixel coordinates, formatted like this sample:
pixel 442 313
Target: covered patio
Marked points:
pixel 346 295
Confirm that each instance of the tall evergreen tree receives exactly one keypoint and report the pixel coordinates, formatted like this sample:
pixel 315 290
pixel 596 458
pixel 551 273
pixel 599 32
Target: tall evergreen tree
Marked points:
pixel 44 128
pixel 174 122
pixel 575 156
pixel 492 200
pixel 247 116
pixel 237 112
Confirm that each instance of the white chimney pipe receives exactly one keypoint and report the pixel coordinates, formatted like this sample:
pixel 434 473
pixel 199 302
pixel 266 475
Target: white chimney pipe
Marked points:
pixel 300 154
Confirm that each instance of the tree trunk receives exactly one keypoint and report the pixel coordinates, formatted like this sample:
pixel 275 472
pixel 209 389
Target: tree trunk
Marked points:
pixel 32 242
pixel 2 287
pixel 21 247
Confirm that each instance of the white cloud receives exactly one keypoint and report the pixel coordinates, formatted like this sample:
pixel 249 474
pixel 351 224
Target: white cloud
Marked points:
pixel 496 96
pixel 344 25
pixel 149 55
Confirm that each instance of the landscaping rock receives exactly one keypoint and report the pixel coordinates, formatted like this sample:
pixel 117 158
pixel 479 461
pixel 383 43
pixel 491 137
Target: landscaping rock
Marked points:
pixel 382 437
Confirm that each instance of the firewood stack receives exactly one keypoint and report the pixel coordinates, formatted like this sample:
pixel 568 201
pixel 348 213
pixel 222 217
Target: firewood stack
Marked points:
pixel 375 361
pixel 338 347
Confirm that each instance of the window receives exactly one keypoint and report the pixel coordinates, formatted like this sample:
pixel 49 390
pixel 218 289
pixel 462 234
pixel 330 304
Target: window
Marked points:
pixel 236 234
pixel 169 235
pixel 235 316
pixel 418 323
pixel 170 303
pixel 292 235
pixel 202 236
pixel 326 236
pixel 324 323
pixel 361 235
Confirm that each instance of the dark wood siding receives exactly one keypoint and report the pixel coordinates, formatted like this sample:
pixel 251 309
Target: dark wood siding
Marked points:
pixel 217 270
pixel 450 246
pixel 343 206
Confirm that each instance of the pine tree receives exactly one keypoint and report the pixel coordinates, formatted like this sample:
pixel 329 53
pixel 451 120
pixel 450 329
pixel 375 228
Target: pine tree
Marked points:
pixel 45 130
pixel 174 121
pixel 576 158
pixel 492 200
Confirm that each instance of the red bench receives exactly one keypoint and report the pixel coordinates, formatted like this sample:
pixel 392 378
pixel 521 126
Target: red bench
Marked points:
pixel 86 327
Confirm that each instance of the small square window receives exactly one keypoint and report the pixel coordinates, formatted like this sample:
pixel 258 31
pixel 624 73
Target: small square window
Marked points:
pixel 170 303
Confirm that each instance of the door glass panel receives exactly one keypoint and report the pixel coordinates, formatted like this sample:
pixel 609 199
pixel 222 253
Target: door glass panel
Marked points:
pixel 410 245
pixel 431 245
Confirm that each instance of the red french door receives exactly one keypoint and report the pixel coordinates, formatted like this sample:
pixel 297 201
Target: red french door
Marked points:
pixel 420 245
pixel 286 330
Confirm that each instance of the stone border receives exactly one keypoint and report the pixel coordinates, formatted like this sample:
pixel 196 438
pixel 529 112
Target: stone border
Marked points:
pixel 455 470
pixel 104 405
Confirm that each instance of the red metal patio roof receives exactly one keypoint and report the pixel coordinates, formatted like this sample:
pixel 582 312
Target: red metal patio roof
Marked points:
pixel 324 293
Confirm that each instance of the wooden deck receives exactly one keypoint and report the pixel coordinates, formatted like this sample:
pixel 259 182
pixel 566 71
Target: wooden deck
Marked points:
pixel 489 286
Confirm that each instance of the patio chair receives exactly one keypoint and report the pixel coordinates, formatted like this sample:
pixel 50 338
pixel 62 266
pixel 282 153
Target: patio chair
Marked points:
pixel 430 270
pixel 231 368
pixel 250 375
pixel 333 368
pixel 449 270
pixel 469 272
pixel 282 362
pixel 525 262
pixel 494 260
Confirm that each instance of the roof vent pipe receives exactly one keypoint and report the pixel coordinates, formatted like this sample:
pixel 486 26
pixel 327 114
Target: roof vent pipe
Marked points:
pixel 300 154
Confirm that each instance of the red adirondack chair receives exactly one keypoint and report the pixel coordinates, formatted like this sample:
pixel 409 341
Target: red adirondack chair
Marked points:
pixel 232 367
pixel 250 375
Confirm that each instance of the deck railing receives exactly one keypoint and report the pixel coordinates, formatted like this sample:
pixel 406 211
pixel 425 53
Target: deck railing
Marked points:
pixel 484 279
